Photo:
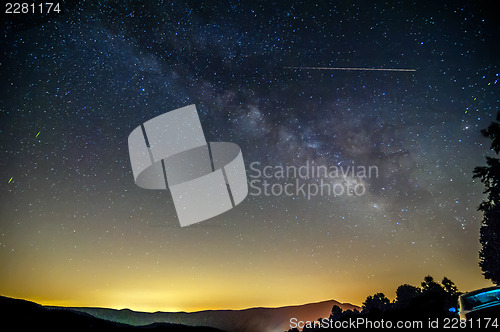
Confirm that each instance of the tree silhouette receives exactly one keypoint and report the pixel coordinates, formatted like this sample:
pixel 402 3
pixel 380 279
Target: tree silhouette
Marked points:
pixel 431 300
pixel 336 312
pixel 430 286
pixel 405 294
pixel 450 287
pixel 489 255
pixel 377 303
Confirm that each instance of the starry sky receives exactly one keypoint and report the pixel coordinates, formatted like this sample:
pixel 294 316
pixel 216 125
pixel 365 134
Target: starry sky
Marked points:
pixel 75 229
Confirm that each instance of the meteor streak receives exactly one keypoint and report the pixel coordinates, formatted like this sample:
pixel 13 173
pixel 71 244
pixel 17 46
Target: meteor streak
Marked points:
pixel 352 69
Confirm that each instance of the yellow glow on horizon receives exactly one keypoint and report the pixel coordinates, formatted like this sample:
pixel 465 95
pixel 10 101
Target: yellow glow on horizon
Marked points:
pixel 203 276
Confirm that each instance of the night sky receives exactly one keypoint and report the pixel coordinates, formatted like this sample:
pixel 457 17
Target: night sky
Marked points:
pixel 75 229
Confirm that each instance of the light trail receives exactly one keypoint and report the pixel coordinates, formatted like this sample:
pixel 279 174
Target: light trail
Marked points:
pixel 353 69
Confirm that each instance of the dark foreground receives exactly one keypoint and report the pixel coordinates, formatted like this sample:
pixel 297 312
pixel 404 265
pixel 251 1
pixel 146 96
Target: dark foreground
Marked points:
pixel 27 316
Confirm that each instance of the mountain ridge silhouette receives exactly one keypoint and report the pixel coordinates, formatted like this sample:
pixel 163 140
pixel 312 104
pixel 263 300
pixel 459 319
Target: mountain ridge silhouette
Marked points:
pixel 19 314
pixel 262 319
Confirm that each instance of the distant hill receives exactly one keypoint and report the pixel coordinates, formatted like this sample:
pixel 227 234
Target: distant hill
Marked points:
pixel 247 320
pixel 28 316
